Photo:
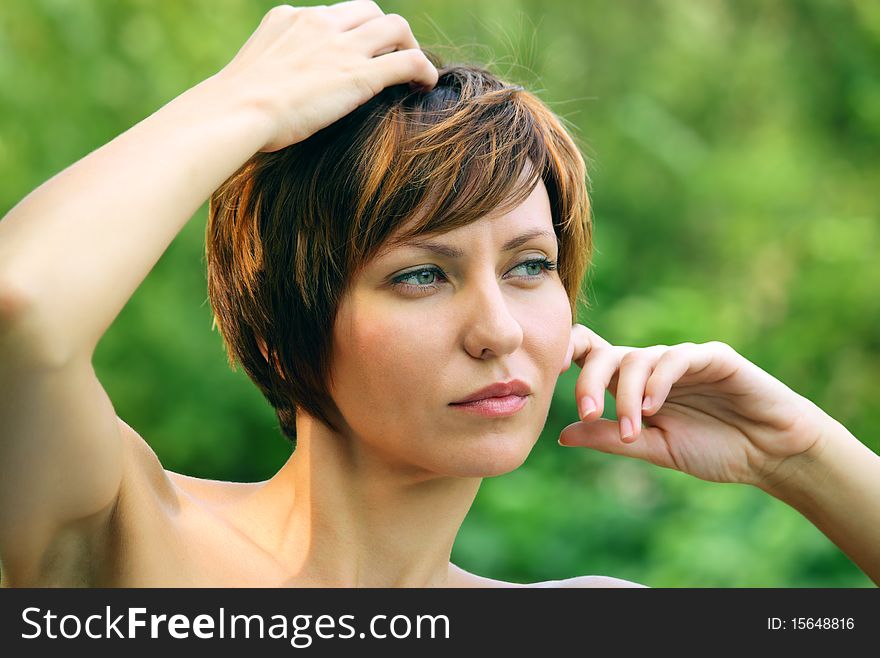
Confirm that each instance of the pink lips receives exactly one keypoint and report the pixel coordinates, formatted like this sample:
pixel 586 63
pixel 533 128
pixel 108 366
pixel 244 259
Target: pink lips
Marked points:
pixel 495 406
pixel 498 390
pixel 499 399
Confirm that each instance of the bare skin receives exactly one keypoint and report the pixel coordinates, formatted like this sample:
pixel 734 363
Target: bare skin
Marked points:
pixel 174 530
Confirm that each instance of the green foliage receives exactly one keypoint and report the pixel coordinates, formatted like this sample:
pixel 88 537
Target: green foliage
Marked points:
pixel 733 151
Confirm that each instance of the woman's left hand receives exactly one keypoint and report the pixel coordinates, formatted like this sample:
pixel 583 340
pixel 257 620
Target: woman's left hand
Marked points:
pixel 709 411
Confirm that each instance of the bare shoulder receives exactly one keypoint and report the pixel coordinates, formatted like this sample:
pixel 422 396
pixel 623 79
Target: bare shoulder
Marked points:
pixel 169 486
pixel 212 492
pixel 458 577
pixel 164 529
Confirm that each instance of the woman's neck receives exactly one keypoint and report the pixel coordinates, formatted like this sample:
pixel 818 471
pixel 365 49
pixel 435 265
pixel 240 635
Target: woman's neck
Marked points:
pixel 338 514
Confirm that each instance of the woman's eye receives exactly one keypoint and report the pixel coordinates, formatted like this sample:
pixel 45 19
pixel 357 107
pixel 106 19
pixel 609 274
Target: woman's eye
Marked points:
pixel 426 277
pixel 533 267
pixel 422 278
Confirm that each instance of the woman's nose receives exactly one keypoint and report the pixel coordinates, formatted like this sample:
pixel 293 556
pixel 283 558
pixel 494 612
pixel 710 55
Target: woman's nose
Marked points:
pixel 491 328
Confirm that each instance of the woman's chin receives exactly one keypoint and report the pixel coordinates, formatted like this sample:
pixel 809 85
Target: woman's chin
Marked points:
pixel 490 462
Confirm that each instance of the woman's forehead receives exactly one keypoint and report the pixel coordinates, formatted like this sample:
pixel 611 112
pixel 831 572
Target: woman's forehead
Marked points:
pixel 452 246
pixel 530 219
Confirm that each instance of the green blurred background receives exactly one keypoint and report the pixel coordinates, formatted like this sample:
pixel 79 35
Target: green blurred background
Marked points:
pixel 733 151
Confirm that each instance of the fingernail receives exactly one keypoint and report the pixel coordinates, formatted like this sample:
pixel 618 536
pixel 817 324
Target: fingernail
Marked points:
pixel 647 403
pixel 587 407
pixel 626 428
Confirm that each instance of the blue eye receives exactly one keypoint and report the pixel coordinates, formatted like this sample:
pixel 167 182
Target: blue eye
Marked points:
pixel 426 276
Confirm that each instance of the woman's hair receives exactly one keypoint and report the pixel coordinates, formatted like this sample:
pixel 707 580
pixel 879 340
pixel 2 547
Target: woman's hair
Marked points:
pixel 288 231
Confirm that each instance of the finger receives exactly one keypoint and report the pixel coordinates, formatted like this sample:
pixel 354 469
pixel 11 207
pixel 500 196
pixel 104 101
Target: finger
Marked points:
pixel 635 369
pixel 585 341
pixel 668 370
pixel 686 363
pixel 274 22
pixel 384 34
pixel 596 373
pixel 350 14
pixel 602 435
pixel 410 65
pixel 589 390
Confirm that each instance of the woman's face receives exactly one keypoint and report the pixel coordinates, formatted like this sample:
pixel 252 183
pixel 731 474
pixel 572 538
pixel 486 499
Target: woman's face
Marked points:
pixel 419 330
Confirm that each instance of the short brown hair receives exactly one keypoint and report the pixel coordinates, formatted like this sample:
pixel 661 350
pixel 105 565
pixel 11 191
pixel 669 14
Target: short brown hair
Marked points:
pixel 287 231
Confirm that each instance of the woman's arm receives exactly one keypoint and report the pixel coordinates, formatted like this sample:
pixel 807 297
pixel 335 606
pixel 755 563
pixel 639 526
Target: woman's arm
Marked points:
pixel 72 253
pixel 74 250
pixel 837 487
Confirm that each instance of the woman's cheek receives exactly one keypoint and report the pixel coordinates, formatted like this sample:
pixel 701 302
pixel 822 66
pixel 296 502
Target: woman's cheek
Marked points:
pixel 553 328
pixel 391 349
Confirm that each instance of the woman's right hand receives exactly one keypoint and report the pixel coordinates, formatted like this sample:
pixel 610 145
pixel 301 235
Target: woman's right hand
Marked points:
pixel 307 67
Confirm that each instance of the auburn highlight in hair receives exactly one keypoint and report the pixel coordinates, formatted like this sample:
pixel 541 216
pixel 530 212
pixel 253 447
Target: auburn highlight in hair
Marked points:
pixel 290 228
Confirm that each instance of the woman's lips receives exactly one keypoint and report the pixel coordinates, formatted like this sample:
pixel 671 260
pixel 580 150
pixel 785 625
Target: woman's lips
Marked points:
pixel 494 407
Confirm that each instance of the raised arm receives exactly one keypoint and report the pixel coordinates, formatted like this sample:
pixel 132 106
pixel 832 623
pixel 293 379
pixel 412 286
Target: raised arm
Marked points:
pixel 72 253
pixel 74 250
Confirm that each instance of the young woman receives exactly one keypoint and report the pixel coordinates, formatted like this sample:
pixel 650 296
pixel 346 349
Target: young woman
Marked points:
pixel 395 255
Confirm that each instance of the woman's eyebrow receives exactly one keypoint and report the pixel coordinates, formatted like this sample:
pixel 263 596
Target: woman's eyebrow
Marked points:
pixel 455 252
